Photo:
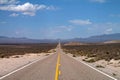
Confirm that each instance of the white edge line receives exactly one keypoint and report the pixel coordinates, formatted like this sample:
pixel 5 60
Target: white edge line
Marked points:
pixel 95 69
pixel 23 67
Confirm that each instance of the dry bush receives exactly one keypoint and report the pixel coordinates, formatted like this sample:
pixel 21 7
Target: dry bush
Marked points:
pixel 105 51
pixel 7 50
pixel 100 66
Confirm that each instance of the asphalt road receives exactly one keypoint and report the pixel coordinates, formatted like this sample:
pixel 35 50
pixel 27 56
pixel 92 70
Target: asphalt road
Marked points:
pixel 69 69
pixel 41 70
pixel 74 70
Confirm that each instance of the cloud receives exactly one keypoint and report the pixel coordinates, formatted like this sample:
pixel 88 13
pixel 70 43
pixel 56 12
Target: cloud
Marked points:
pixel 59 29
pixel 103 28
pixel 51 8
pixel 9 1
pixel 115 15
pixel 21 32
pixel 3 22
pixel 99 1
pixel 26 8
pixel 65 28
pixel 53 31
pixel 80 22
pixel 108 31
pixel 14 14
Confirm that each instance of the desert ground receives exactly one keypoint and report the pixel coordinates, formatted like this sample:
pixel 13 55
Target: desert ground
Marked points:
pixel 105 58
pixel 14 56
pixel 102 57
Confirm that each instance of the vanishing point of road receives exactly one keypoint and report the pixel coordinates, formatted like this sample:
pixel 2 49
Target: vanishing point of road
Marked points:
pixel 57 66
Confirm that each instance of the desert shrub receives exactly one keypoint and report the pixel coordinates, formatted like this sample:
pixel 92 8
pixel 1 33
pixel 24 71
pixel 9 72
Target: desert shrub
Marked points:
pixel 46 54
pixel 105 51
pixel 2 55
pixel 90 60
pixel 114 74
pixel 83 59
pixel 7 50
pixel 74 55
pixel 100 66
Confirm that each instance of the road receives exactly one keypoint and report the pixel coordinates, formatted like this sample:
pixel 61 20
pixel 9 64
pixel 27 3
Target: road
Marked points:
pixel 58 66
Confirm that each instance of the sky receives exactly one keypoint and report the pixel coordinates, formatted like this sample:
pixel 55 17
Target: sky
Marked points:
pixel 64 19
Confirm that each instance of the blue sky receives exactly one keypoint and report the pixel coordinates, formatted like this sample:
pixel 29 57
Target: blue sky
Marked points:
pixel 51 19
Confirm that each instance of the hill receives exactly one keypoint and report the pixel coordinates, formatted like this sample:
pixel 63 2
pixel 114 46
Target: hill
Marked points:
pixel 96 39
pixel 92 39
pixel 8 40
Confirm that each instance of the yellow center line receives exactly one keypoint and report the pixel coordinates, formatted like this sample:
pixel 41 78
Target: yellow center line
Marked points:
pixel 57 73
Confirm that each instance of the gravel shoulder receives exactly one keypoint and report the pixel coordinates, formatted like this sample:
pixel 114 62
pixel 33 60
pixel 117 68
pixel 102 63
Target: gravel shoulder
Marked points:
pixel 14 62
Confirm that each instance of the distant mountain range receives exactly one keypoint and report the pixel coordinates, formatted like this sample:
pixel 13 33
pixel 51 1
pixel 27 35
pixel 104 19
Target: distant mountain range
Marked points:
pixel 99 38
pixel 8 40
pixel 92 39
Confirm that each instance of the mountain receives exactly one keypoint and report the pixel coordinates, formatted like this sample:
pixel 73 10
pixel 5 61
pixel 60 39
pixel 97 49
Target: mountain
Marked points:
pixel 24 40
pixel 92 39
pixel 95 39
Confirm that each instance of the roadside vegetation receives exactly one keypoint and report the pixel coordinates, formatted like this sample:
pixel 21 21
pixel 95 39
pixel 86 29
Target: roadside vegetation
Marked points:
pixel 95 52
pixel 7 50
pixel 99 66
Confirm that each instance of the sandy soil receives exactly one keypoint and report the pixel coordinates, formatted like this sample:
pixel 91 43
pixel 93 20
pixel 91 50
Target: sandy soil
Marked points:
pixel 111 67
pixel 14 62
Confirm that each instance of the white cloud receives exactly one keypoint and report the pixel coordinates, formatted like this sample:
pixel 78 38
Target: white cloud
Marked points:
pixel 65 28
pixel 99 1
pixel 14 14
pixel 9 1
pixel 3 22
pixel 108 31
pixel 80 22
pixel 51 8
pixel 26 8
pixel 115 15
pixel 56 30
pixel 59 29
pixel 20 32
pixel 103 28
